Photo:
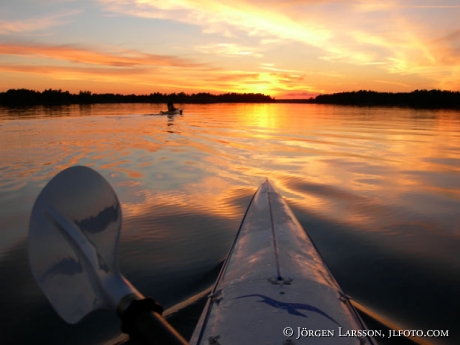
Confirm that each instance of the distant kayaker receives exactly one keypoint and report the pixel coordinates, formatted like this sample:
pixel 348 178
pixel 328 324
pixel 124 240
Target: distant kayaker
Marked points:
pixel 171 107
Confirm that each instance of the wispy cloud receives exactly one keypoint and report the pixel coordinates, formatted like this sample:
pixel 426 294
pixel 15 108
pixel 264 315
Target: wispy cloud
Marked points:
pixel 226 19
pixel 271 67
pixel 435 6
pixel 407 86
pixel 80 55
pixel 229 49
pixel 261 81
pixel 36 24
pixel 374 6
pixel 453 37
pixel 75 73
pixel 138 79
pixel 390 5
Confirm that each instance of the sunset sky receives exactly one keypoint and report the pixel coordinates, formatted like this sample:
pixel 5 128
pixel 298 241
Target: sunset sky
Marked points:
pixel 284 48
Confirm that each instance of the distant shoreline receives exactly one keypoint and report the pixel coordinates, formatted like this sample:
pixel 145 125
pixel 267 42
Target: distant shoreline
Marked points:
pixel 416 99
pixel 20 97
pixel 430 99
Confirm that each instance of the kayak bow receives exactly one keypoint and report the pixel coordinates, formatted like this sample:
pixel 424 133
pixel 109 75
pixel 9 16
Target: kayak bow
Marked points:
pixel 275 287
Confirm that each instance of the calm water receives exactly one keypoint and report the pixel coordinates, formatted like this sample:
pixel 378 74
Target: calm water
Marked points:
pixel 378 190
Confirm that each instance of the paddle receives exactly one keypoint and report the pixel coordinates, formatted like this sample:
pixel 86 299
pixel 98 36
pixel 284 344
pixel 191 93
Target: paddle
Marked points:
pixel 73 238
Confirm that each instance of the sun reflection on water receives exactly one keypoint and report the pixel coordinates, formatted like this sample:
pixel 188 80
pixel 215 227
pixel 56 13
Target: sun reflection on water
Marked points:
pixel 374 187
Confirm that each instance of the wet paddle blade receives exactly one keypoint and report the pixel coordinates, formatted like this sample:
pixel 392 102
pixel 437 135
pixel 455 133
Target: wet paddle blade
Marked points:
pixel 73 235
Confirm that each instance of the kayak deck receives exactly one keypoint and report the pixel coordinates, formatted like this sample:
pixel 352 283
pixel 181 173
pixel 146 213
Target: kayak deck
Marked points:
pixel 274 281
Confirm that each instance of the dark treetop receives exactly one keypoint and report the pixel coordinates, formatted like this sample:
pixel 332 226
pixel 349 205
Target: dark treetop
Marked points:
pixel 19 97
pixel 417 98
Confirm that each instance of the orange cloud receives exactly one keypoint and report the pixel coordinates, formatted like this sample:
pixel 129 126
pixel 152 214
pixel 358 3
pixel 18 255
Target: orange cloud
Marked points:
pixel 67 72
pixel 93 57
pixel 153 79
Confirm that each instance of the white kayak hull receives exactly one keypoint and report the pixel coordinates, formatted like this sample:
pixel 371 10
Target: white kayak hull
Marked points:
pixel 174 112
pixel 274 283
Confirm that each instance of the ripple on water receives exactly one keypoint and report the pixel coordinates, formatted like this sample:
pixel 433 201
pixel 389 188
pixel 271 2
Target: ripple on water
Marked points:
pixel 374 187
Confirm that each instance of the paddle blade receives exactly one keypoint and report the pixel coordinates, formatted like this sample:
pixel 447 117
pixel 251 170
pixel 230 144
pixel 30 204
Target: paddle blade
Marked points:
pixel 73 235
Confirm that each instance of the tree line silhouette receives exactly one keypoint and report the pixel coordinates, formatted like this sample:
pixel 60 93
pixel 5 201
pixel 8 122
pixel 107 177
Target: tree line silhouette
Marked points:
pixel 417 98
pixel 20 97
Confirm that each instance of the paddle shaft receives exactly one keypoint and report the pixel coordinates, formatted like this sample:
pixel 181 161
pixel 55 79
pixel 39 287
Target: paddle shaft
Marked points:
pixel 387 323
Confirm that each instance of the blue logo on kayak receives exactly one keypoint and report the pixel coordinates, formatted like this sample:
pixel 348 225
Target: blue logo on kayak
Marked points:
pixel 291 308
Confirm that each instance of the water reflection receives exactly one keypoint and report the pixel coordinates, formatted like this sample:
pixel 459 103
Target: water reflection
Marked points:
pixel 378 189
